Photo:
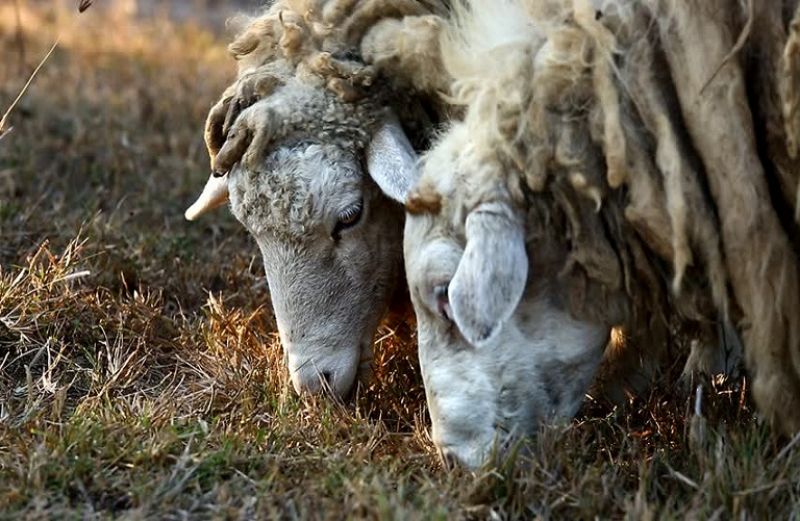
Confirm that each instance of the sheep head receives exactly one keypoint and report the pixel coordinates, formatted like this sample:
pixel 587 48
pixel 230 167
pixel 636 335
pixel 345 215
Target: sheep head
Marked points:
pixel 313 177
pixel 308 147
pixel 492 339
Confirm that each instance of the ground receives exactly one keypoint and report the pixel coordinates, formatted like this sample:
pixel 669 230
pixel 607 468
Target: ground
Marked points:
pixel 140 373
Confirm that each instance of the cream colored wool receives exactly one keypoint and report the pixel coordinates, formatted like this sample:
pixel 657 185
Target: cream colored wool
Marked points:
pixel 323 44
pixel 762 265
pixel 790 85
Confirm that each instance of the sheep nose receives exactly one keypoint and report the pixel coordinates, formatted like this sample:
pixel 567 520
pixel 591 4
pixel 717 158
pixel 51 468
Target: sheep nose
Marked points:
pixel 318 380
pixel 312 382
pixel 332 373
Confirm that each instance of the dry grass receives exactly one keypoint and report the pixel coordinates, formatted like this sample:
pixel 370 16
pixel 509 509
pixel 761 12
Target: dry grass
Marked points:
pixel 140 375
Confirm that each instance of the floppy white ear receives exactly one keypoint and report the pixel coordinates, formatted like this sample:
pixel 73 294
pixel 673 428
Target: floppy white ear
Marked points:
pixel 214 195
pixel 392 161
pixel 491 276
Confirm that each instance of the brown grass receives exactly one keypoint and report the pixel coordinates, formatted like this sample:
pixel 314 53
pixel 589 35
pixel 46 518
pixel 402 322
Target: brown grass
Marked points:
pixel 141 377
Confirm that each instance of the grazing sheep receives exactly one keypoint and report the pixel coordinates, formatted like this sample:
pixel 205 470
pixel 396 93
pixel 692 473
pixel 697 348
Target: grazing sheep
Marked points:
pixel 308 144
pixel 536 367
pixel 621 134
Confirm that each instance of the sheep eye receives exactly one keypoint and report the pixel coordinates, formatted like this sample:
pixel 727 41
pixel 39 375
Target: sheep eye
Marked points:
pixel 443 301
pixel 347 219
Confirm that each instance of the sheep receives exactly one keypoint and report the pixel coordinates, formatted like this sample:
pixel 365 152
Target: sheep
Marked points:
pixel 306 144
pixel 621 132
pixel 533 370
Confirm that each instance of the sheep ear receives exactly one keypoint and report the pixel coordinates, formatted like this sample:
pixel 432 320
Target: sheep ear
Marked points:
pixel 392 161
pixel 491 276
pixel 214 195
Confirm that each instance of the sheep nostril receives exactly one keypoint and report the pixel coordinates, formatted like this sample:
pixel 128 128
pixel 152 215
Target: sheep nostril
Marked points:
pixel 327 379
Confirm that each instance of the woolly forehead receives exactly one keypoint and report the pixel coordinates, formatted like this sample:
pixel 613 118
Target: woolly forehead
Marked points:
pixel 298 187
pixel 457 175
pixel 444 168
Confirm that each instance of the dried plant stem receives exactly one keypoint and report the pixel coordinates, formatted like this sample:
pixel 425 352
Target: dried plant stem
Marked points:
pixel 4 129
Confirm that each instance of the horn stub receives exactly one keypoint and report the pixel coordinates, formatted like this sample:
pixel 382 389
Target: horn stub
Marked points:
pixel 421 202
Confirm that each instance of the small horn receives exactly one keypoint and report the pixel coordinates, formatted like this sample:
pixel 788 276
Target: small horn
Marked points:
pixel 214 195
pixel 425 201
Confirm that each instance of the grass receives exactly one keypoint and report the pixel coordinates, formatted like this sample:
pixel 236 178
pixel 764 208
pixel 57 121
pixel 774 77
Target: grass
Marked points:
pixel 140 372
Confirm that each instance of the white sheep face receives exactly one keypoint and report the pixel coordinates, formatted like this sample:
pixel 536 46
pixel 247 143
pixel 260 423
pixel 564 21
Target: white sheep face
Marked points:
pixel 331 246
pixel 530 366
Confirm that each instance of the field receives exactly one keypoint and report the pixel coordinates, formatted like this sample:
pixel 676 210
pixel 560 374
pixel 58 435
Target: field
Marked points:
pixel 140 372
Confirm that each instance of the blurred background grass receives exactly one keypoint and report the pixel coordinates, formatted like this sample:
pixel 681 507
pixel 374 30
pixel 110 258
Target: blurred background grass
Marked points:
pixel 140 374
